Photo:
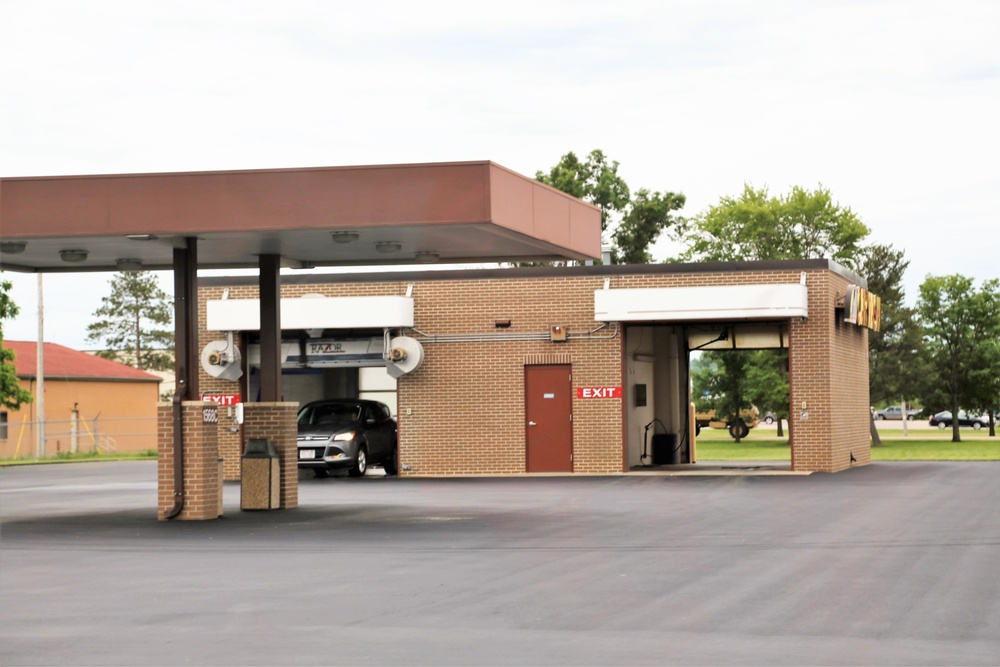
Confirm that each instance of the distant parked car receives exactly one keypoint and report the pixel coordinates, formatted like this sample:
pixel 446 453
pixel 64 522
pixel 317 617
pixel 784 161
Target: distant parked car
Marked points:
pixel 346 434
pixel 896 412
pixel 943 420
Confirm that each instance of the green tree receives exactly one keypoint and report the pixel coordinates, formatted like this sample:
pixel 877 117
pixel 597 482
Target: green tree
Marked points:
pixel 803 224
pixel 984 373
pixel 896 363
pixel 767 383
pixel 961 326
pixel 720 383
pixel 12 395
pixel 985 380
pixel 128 320
pixel 634 223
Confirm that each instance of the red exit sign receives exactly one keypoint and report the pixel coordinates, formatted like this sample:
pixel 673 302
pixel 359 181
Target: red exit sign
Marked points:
pixel 598 392
pixel 222 399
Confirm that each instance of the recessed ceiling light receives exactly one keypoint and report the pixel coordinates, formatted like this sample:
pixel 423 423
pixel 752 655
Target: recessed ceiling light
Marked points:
pixel 129 264
pixel 13 247
pixel 345 237
pixel 427 257
pixel 388 246
pixel 73 255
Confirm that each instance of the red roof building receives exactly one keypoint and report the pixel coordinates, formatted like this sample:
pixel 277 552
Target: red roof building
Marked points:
pixel 90 404
pixel 62 363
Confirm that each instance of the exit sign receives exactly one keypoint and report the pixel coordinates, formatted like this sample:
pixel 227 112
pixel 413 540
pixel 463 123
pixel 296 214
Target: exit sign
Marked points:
pixel 222 399
pixel 598 392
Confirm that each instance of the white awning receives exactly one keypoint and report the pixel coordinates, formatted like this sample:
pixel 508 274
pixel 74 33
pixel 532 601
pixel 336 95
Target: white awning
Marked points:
pixel 314 312
pixel 699 304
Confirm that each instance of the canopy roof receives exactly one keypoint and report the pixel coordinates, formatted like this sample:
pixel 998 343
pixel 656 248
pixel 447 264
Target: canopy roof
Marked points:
pixel 394 214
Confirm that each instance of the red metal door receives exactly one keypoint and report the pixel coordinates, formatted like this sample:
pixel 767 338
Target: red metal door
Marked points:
pixel 548 418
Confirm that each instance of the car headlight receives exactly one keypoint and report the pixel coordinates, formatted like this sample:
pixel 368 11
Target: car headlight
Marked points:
pixel 348 435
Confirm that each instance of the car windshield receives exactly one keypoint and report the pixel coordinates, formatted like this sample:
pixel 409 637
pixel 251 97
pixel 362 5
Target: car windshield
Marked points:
pixel 336 413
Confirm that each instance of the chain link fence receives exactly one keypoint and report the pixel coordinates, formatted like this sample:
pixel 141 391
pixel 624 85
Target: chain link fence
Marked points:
pixel 96 435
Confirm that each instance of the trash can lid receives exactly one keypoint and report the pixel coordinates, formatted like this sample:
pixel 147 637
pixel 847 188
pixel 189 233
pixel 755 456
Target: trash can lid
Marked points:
pixel 260 448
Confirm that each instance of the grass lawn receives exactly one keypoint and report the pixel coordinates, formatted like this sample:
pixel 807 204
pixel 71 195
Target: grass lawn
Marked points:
pixel 716 445
pixel 67 457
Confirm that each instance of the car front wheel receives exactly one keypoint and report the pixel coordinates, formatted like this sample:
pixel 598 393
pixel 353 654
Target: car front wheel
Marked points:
pixel 942 425
pixel 360 466
pixel 977 425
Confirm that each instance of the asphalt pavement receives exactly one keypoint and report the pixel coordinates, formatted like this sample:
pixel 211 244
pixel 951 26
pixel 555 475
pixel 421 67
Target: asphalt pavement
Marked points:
pixel 889 564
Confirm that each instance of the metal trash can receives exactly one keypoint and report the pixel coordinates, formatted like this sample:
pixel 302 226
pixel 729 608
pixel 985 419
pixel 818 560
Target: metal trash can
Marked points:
pixel 260 476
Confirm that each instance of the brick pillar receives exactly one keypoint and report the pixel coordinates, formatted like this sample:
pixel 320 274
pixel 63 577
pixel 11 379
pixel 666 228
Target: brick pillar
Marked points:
pixel 276 422
pixel 828 383
pixel 202 485
pixel 230 449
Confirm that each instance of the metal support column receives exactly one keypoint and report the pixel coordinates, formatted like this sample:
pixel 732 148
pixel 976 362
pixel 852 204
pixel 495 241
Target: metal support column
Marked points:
pixel 186 320
pixel 270 328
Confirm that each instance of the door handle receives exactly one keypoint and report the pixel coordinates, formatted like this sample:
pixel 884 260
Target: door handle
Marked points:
pixel 532 424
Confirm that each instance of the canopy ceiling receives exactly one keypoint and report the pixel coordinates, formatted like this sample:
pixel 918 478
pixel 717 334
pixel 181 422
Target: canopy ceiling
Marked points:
pixel 446 212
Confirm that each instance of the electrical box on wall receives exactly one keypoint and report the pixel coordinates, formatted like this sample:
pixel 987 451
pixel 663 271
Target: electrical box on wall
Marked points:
pixel 557 333
pixel 640 395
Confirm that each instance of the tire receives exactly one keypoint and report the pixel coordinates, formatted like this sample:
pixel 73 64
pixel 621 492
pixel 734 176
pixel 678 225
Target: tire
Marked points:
pixel 697 429
pixel 977 425
pixel 391 466
pixel 942 425
pixel 360 466
pixel 880 417
pixel 769 420
pixel 739 430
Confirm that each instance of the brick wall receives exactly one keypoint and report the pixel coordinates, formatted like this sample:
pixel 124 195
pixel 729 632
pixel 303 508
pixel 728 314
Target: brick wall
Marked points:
pixel 828 378
pixel 202 485
pixel 462 411
pixel 276 422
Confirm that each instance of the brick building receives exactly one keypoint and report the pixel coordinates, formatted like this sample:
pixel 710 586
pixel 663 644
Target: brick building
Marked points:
pixel 553 369
pixel 90 403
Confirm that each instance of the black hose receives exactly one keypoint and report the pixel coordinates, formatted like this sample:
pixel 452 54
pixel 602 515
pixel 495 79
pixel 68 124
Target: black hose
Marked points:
pixel 645 440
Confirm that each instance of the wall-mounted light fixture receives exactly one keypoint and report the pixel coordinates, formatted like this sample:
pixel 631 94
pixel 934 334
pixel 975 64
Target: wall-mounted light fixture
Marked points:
pixel 344 238
pixel 128 264
pixel 74 255
pixel 387 247
pixel 426 257
pixel 141 237
pixel 13 247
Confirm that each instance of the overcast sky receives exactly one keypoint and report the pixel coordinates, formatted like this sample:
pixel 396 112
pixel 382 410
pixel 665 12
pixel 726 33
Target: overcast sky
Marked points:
pixel 891 104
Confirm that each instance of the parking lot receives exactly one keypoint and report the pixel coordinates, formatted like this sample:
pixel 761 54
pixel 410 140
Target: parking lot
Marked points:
pixel 887 564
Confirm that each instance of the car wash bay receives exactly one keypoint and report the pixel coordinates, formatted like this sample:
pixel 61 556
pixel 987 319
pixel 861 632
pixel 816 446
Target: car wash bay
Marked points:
pixel 539 369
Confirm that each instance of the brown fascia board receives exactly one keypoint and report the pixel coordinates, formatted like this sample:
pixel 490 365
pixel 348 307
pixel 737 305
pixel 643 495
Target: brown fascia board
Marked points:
pixel 547 272
pixel 244 200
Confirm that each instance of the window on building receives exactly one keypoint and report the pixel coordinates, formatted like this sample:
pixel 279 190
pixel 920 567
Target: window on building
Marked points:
pixel 3 425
